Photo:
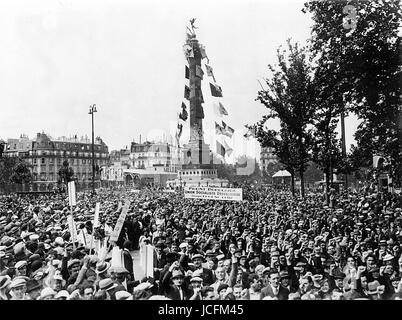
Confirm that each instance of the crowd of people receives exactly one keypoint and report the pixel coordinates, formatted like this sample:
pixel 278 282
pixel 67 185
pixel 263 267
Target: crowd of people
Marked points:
pixel 270 246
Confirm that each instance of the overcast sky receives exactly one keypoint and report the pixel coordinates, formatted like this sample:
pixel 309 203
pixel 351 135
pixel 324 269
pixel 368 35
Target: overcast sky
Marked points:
pixel 58 57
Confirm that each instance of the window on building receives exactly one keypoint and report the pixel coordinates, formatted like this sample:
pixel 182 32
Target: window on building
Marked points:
pixel 34 160
pixel 43 160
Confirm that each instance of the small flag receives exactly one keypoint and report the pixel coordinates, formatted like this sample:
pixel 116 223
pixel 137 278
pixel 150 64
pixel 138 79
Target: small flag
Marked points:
pixel 220 149
pixel 200 96
pixel 188 51
pixel 216 91
pixel 218 128
pixel 203 53
pixel 183 114
pixel 220 109
pixel 209 70
pixel 199 112
pixel 252 132
pixel 180 127
pixel 226 131
pixel 198 72
pixel 186 92
pixel 229 150
pixel 187 73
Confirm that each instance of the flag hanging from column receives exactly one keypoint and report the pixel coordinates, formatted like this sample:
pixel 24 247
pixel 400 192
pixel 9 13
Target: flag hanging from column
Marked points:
pixel 218 128
pixel 227 131
pixel 183 114
pixel 188 51
pixel 180 127
pixel 216 91
pixel 210 72
pixel 252 132
pixel 198 72
pixel 203 52
pixel 220 149
pixel 228 149
pixel 187 72
pixel 187 92
pixel 220 109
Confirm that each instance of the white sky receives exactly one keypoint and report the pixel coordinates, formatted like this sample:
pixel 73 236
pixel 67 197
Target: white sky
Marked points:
pixel 58 57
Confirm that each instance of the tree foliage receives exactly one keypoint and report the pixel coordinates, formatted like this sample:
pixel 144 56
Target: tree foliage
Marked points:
pixel 21 172
pixel 364 64
pixel 289 97
pixel 14 170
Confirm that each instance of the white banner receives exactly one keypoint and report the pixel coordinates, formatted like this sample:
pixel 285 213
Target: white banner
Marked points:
pixel 149 270
pixel 228 194
pixel 120 222
pixel 72 228
pixel 71 194
pixel 96 217
pixel 169 191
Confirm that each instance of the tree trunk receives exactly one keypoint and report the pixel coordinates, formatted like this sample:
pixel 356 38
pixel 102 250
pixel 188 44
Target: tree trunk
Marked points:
pixel 327 178
pixel 293 184
pixel 301 171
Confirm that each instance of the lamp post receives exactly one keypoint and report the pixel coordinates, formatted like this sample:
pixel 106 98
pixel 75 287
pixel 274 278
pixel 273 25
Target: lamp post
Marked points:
pixel 92 110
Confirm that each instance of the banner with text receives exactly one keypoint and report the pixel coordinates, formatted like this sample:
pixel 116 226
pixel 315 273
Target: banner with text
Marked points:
pixel 209 193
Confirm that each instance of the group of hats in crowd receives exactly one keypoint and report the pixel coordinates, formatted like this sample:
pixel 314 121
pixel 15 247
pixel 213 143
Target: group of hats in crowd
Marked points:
pixel 271 246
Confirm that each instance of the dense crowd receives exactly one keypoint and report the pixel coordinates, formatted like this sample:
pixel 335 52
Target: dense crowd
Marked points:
pixel 269 246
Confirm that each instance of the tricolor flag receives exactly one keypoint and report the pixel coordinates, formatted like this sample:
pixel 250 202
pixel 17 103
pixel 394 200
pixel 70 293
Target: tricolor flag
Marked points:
pixel 188 51
pixel 216 91
pixel 201 96
pixel 229 150
pixel 187 72
pixel 183 114
pixel 203 53
pixel 186 92
pixel 198 72
pixel 209 70
pixel 227 131
pixel 252 132
pixel 220 109
pixel 220 149
pixel 178 132
pixel 218 128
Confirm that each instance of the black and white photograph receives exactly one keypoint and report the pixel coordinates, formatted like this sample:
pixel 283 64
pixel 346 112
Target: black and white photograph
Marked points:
pixel 200 150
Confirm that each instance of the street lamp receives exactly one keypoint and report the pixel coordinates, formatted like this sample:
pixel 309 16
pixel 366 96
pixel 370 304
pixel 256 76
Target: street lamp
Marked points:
pixel 92 110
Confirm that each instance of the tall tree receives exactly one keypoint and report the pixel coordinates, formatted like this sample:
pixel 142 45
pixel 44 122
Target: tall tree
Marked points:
pixel 289 97
pixel 359 41
pixel 6 169
pixel 21 172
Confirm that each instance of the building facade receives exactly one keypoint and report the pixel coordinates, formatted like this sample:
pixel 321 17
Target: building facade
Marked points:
pixel 112 172
pixel 162 157
pixel 46 156
pixel 267 157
